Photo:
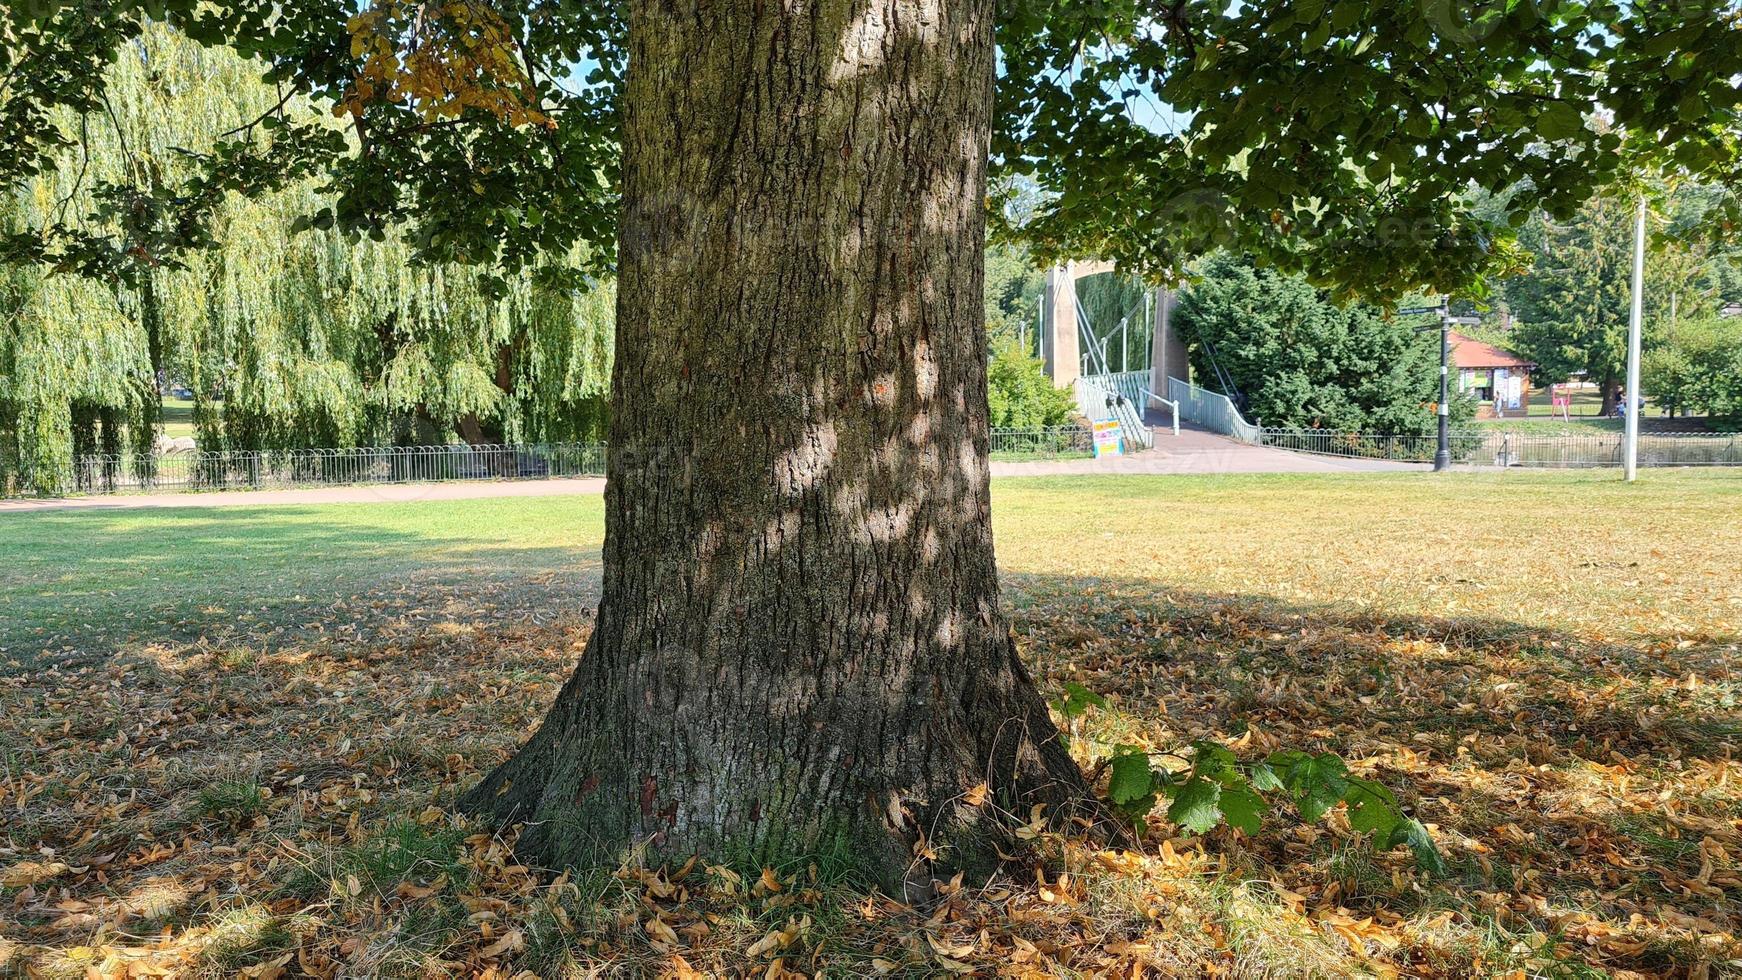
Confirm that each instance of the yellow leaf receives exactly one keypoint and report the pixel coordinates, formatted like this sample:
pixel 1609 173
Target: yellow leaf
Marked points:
pixel 763 945
pixel 660 931
pixel 512 941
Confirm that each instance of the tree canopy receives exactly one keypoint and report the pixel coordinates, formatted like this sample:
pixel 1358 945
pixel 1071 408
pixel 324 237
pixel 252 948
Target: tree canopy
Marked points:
pixel 285 339
pixel 1331 137
pixel 1697 367
pixel 1571 302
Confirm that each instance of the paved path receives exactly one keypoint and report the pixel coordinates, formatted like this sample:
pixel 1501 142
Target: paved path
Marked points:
pixel 1193 451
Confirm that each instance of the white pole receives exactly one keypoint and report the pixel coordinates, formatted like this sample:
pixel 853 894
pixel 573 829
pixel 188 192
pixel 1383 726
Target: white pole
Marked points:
pixel 1630 398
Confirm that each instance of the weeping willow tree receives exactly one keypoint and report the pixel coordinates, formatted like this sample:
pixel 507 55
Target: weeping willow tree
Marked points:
pixel 287 338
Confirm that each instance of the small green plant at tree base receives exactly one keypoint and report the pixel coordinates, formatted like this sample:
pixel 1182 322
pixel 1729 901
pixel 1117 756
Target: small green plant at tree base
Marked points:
pixel 1073 704
pixel 1217 787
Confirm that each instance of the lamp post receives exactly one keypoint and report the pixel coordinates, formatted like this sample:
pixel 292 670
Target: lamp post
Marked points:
pixel 1443 449
pixel 1443 452
pixel 1630 397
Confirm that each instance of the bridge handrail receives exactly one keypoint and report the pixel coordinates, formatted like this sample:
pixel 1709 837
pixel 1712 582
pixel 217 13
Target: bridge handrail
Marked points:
pixel 1153 397
pixel 1213 411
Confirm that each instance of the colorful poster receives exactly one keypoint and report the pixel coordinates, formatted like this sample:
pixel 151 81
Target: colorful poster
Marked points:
pixel 1109 439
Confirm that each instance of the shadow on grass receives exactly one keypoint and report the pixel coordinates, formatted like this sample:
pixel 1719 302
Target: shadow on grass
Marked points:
pixel 1218 660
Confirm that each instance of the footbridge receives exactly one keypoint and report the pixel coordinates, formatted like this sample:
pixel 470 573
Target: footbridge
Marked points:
pixel 1169 424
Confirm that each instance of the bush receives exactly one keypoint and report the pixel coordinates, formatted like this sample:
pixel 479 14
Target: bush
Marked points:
pixel 1698 369
pixel 1020 393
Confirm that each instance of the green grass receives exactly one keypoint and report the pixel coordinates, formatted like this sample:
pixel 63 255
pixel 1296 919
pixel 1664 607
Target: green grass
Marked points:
pixel 178 417
pixel 91 579
pixel 1586 402
pixel 1539 426
pixel 235 800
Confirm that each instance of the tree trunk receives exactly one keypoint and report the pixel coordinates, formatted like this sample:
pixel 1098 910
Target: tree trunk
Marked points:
pixel 800 649
pixel 1610 388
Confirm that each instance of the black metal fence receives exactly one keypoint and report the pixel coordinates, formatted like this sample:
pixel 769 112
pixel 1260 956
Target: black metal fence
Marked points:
pixel 1477 447
pixel 277 469
pixel 1073 440
pixel 1367 445
pixel 250 470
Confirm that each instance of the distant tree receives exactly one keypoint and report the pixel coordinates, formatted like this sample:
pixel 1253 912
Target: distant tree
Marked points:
pixel 1301 360
pixel 1573 302
pixel 1697 369
pixel 1013 290
pixel 1109 300
pixel 287 338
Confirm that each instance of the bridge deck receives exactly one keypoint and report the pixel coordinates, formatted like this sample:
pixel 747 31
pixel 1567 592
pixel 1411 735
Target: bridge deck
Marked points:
pixel 1197 450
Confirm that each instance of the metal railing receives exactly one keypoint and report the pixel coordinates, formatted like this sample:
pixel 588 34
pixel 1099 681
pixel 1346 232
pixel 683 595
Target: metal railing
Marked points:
pixel 1071 440
pixel 1133 386
pixel 1472 446
pixel 1211 410
pixel 1151 397
pixel 271 469
pixel 1104 397
pixel 1476 447
pixel 287 468
pixel 1404 448
pixel 1605 449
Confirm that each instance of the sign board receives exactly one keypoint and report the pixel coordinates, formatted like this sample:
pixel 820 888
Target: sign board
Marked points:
pixel 1109 439
pixel 1465 321
pixel 1419 310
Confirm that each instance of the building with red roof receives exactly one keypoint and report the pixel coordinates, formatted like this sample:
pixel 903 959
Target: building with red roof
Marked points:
pixel 1499 380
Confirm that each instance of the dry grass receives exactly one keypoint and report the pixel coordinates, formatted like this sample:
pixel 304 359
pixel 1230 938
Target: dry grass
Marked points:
pixel 1543 667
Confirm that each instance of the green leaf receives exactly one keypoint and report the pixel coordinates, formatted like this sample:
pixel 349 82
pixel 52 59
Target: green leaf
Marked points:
pixel 1559 121
pixel 1077 700
pixel 1421 843
pixel 1196 805
pixel 1211 758
pixel 1131 778
pixel 1264 778
pixel 1317 782
pixel 1242 808
pixel 1372 809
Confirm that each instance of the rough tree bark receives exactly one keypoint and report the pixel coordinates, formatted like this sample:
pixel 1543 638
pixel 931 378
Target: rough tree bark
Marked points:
pixel 800 648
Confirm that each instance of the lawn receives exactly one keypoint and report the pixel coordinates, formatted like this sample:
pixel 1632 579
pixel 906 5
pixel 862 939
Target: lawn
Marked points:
pixel 228 737
pixel 1586 401
pixel 178 418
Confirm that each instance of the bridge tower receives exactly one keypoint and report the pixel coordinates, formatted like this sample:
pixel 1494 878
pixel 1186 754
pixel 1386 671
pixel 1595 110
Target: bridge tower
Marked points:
pixel 1060 347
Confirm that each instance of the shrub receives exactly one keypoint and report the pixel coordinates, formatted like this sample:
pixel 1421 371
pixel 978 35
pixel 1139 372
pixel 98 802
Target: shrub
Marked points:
pixel 1020 393
pixel 1698 368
